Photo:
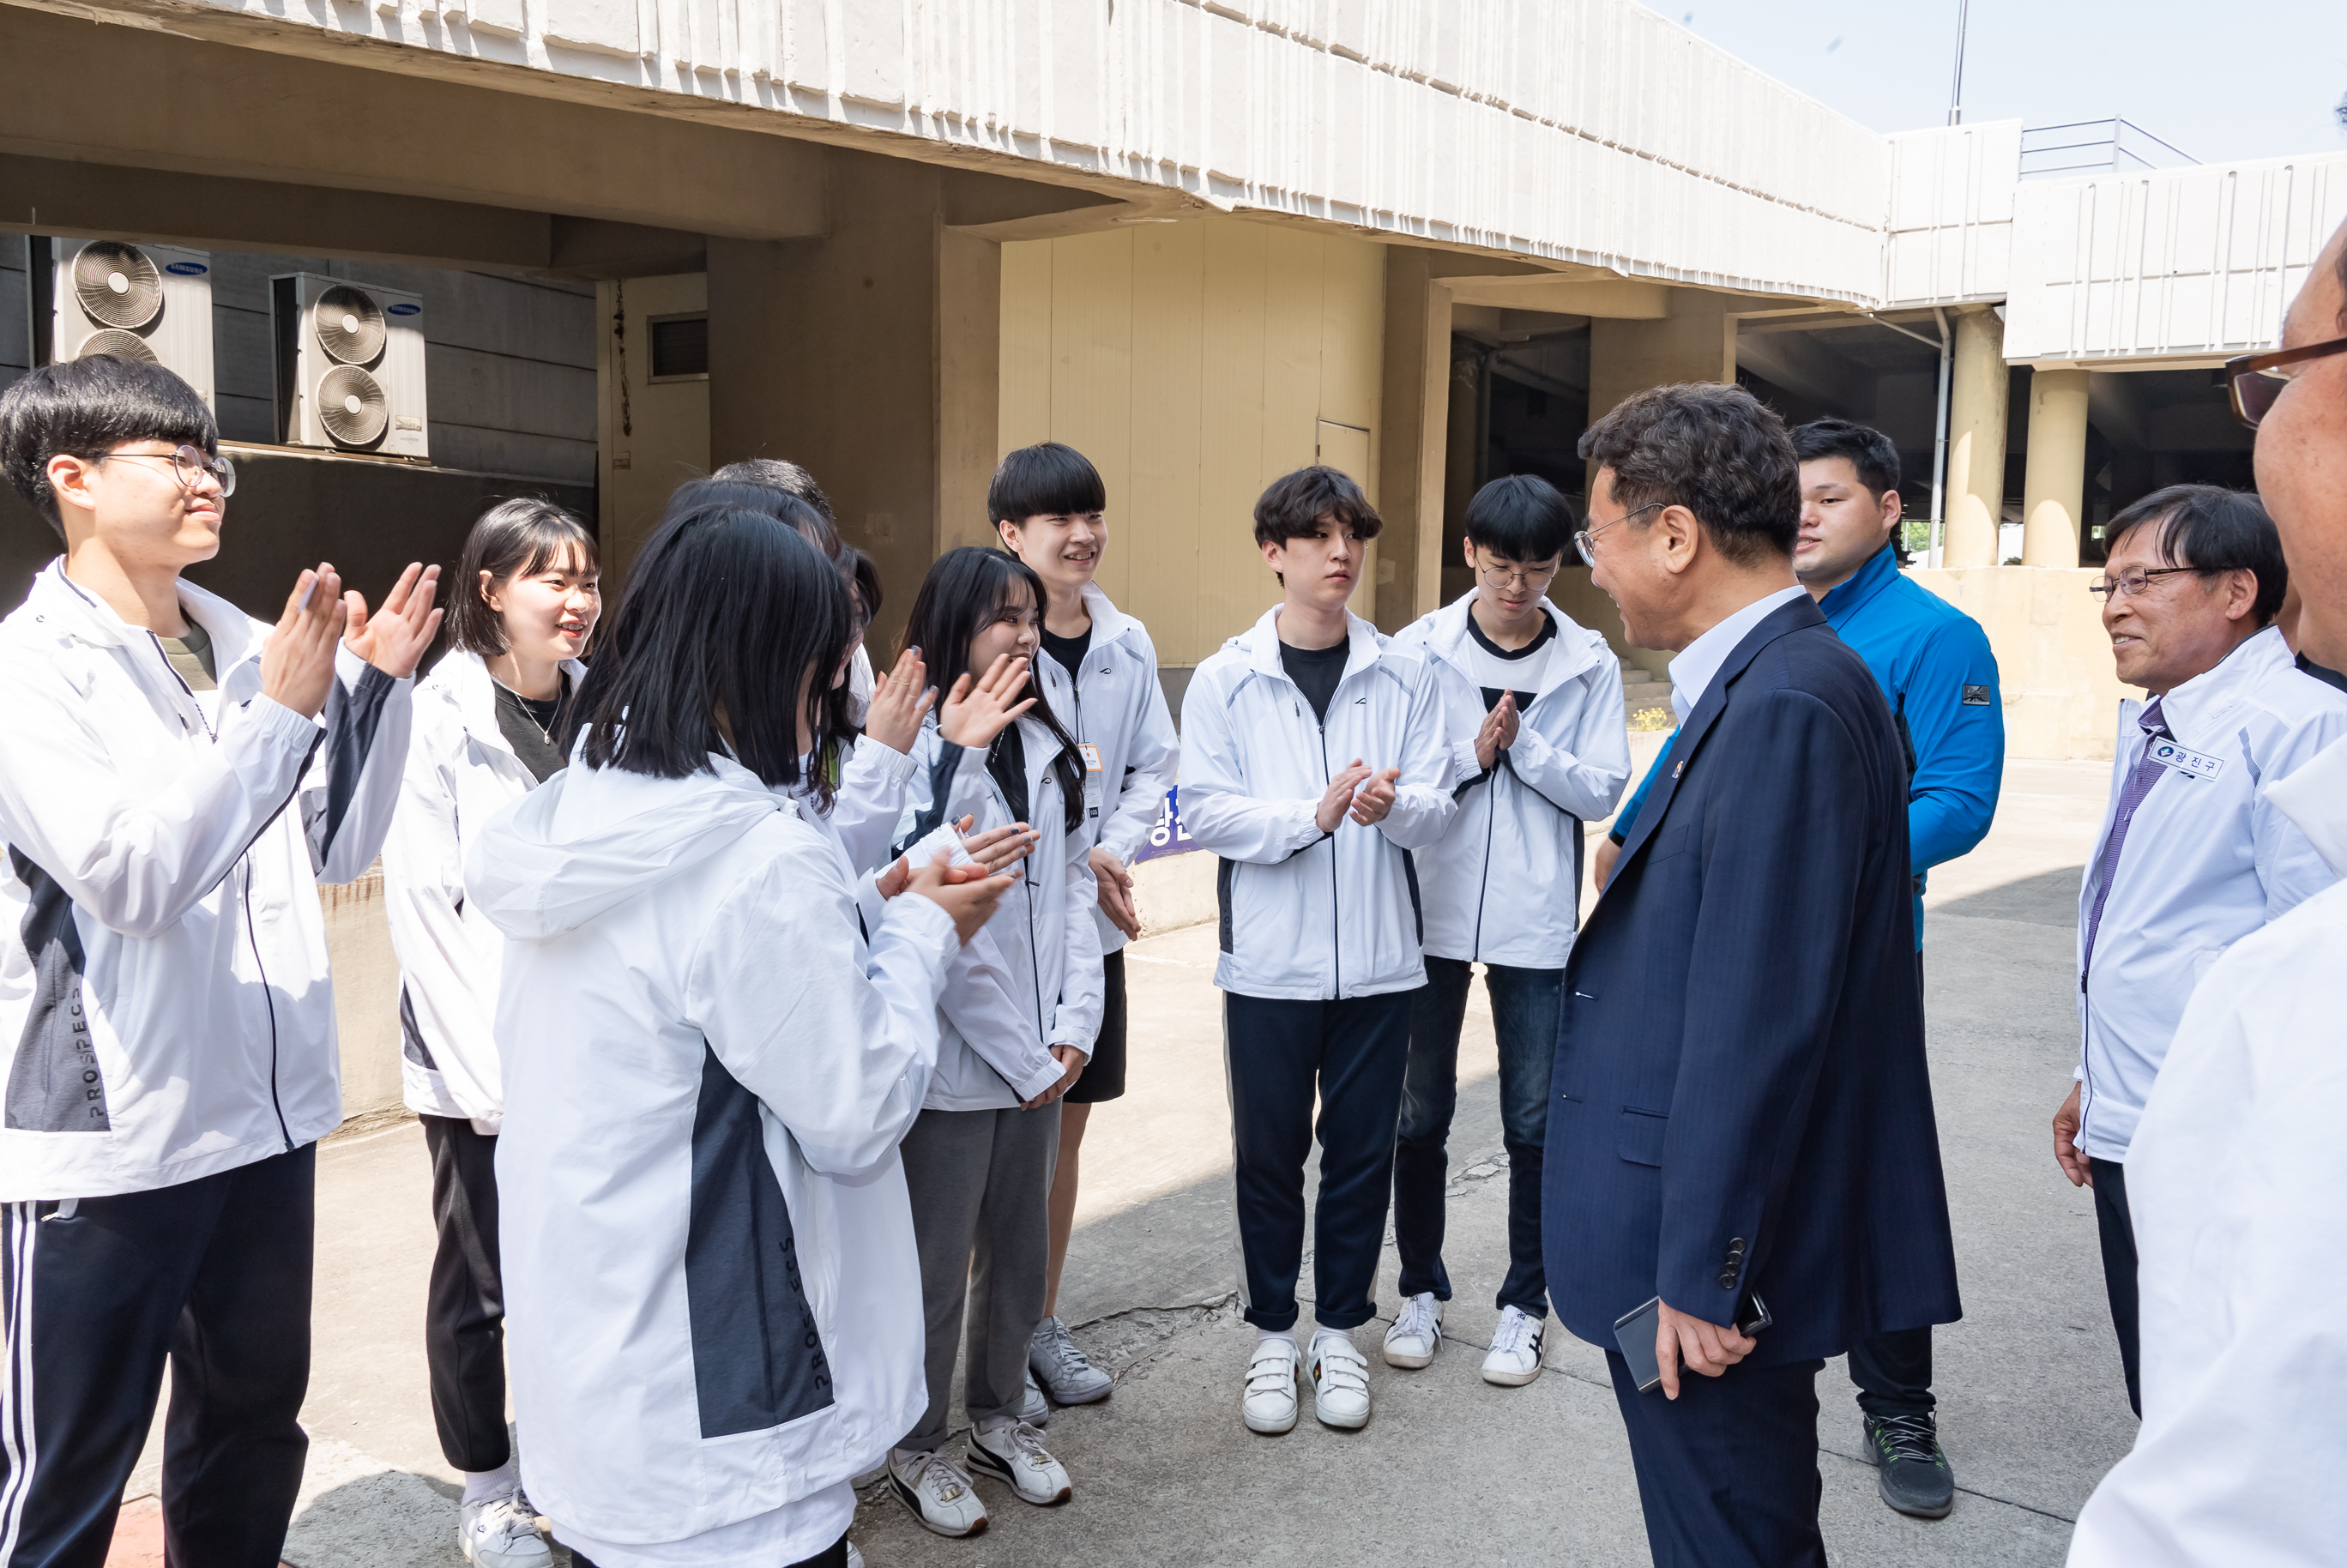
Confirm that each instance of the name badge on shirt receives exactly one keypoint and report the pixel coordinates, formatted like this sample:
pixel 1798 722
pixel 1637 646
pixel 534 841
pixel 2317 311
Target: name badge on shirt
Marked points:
pixel 1090 753
pixel 2185 760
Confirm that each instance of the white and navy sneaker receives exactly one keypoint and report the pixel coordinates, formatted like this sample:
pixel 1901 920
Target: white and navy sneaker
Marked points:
pixel 1341 1381
pixel 1033 1408
pixel 1269 1403
pixel 1014 1452
pixel 1514 1358
pixel 940 1496
pixel 1053 1356
pixel 501 1531
pixel 1416 1334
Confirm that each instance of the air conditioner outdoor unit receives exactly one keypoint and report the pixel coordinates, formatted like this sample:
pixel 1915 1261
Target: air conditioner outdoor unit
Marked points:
pixel 350 366
pixel 151 302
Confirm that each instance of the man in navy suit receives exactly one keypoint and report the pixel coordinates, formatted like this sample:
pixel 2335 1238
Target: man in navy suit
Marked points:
pixel 1741 1106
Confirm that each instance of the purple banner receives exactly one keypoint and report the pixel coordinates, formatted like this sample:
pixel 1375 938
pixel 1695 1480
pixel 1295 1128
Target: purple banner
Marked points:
pixel 1167 837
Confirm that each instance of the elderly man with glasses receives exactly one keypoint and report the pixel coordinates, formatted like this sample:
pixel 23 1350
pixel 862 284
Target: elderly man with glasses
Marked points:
pixel 2192 856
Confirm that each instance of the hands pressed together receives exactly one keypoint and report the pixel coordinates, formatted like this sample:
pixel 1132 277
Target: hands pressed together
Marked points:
pixel 1498 732
pixel 297 663
pixel 1359 792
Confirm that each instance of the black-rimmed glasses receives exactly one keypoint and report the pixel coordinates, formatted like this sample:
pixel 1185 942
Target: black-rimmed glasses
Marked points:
pixel 2251 383
pixel 1584 543
pixel 188 466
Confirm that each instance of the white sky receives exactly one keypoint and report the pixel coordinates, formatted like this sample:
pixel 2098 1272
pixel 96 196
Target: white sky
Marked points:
pixel 2222 79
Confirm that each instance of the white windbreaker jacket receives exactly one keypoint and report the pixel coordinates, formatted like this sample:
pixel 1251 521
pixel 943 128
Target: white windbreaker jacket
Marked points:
pixel 1308 916
pixel 1503 885
pixel 2209 859
pixel 461 771
pixel 1031 979
pixel 163 974
pixel 1116 707
pixel 710 1281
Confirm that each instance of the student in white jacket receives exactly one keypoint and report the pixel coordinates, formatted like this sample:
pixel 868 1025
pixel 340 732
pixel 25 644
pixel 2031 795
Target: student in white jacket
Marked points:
pixel 1314 762
pixel 1533 703
pixel 176 778
pixel 708 1259
pixel 1098 667
pixel 489 722
pixel 1016 1028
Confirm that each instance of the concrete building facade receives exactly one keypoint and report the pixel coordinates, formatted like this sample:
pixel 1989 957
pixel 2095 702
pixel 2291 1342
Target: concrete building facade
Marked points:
pixel 1204 240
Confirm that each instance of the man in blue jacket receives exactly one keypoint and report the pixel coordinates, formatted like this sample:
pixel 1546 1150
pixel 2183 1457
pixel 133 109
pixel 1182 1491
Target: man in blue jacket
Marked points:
pixel 1935 669
pixel 1765 1134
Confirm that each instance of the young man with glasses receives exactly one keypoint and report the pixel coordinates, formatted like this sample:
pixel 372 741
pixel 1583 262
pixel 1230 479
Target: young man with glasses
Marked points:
pixel 2193 856
pixel 177 779
pixel 1534 707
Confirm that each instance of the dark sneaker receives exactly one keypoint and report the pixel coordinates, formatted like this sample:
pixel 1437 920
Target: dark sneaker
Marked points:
pixel 1916 1478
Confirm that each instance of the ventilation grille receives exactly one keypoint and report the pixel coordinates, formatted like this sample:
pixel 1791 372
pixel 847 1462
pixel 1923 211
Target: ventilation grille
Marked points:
pixel 351 406
pixel 349 325
pixel 117 284
pixel 120 344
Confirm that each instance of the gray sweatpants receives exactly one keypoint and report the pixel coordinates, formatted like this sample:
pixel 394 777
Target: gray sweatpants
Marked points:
pixel 980 1182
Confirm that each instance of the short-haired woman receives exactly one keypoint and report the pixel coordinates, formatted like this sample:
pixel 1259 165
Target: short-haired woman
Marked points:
pixel 488 726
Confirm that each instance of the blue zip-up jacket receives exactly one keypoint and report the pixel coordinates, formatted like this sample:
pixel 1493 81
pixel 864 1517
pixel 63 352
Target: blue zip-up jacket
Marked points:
pixel 1935 669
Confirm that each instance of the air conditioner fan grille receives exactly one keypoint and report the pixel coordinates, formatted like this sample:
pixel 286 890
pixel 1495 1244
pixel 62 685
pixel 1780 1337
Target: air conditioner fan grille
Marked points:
pixel 352 406
pixel 120 344
pixel 349 324
pixel 117 286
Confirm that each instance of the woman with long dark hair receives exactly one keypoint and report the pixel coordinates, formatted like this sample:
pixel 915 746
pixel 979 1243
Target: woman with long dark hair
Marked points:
pixel 489 721
pixel 709 1258
pixel 1015 1031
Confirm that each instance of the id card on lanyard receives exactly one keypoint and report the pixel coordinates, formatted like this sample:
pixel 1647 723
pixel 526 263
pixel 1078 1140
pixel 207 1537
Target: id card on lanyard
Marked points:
pixel 1090 753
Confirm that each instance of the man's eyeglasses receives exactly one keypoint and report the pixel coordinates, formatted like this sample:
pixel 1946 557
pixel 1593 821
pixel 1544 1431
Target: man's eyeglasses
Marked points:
pixel 1585 542
pixel 2133 580
pixel 188 466
pixel 1537 579
pixel 2252 384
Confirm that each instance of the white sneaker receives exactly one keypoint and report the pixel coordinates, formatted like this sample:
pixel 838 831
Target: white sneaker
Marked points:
pixel 940 1496
pixel 1033 1408
pixel 1053 1355
pixel 1417 1332
pixel 1014 1452
pixel 1341 1381
pixel 1514 1358
pixel 1269 1403
pixel 855 1558
pixel 502 1532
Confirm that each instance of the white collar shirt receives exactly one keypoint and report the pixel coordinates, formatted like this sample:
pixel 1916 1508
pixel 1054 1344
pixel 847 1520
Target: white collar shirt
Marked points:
pixel 1697 665
pixel 2206 860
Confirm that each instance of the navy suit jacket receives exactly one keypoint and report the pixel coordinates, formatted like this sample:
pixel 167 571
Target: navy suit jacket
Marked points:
pixel 1740 1098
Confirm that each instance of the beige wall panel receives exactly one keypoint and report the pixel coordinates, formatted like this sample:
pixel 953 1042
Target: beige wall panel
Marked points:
pixel 2053 657
pixel 1092 367
pixel 1352 340
pixel 1026 414
pixel 1234 586
pixel 653 437
pixel 1292 298
pixel 1159 509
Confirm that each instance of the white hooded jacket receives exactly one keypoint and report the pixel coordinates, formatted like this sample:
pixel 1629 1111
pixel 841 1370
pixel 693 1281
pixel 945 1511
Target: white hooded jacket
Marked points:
pixel 2234 1180
pixel 1115 707
pixel 163 975
pixel 1503 884
pixel 461 771
pixel 1308 916
pixel 1031 979
pixel 708 1255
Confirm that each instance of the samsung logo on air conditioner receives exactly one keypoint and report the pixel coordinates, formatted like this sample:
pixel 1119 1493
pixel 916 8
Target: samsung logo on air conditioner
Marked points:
pixel 403 310
pixel 186 268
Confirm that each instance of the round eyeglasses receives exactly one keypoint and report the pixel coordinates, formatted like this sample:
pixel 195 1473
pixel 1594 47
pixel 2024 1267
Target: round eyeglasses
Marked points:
pixel 188 466
pixel 1585 541
pixel 1537 579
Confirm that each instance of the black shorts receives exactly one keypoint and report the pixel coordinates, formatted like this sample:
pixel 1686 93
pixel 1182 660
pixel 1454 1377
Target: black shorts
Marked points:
pixel 1103 1076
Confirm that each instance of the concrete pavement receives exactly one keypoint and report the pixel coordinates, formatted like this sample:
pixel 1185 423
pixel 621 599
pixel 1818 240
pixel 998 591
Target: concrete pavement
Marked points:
pixel 1450 1469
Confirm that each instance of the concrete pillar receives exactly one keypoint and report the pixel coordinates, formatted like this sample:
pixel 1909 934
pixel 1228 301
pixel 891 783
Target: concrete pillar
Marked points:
pixel 1416 397
pixel 1977 397
pixel 871 357
pixel 1697 342
pixel 2054 483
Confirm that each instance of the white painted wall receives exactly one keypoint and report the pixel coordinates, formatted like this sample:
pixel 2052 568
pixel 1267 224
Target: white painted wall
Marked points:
pixel 1950 235
pixel 2179 266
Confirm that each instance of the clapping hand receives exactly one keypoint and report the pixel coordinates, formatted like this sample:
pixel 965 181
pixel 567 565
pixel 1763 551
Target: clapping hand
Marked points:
pixel 1376 798
pixel 972 716
pixel 1339 798
pixel 297 663
pixel 900 703
pixel 394 638
pixel 1498 732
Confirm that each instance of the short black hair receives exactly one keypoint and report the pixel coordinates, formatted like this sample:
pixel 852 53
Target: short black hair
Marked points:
pixel 513 539
pixel 2212 529
pixel 965 590
pixel 1294 504
pixel 1520 518
pixel 777 474
pixel 1045 480
pixel 89 406
pixel 1719 451
pixel 857 570
pixel 1869 451
pixel 757 495
pixel 726 608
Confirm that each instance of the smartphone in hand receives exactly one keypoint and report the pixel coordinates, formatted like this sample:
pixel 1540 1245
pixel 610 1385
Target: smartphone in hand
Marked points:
pixel 1634 1332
